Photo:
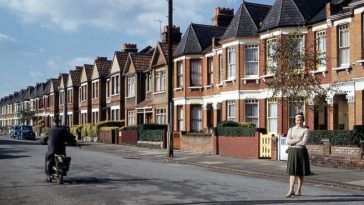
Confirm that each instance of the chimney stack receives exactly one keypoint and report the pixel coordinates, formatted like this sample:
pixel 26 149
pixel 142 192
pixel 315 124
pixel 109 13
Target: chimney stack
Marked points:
pixel 175 35
pixel 129 48
pixel 222 17
pixel 100 58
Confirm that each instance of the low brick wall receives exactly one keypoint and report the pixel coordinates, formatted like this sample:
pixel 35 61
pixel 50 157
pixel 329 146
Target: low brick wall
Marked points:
pixel 336 156
pixel 129 137
pixel 238 146
pixel 197 143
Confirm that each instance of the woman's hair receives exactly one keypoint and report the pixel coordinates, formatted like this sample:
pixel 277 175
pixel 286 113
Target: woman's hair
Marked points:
pixel 301 115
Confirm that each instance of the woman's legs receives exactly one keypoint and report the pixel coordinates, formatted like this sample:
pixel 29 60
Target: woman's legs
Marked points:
pixel 299 184
pixel 292 179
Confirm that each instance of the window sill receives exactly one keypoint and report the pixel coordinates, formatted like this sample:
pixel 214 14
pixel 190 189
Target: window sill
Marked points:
pixel 345 67
pixel 256 78
pixel 319 71
pixel 156 93
pixel 229 81
pixel 361 62
pixel 129 97
pixel 208 87
pixel 178 89
pixel 195 88
pixel 264 77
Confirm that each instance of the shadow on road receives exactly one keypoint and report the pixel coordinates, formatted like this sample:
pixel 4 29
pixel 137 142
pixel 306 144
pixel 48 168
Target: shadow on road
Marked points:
pixel 18 142
pixel 96 180
pixel 4 156
pixel 347 199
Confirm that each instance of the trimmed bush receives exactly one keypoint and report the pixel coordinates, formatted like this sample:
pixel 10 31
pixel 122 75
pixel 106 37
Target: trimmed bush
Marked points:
pixel 109 124
pixel 152 135
pixel 108 128
pixel 152 132
pixel 232 128
pixel 76 130
pixel 40 129
pixel 336 137
pixel 134 127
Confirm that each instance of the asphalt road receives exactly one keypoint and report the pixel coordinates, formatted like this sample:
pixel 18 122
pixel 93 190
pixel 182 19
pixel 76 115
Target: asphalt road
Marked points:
pixel 102 178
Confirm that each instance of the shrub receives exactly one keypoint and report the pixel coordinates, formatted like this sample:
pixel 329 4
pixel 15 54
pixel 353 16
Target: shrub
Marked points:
pixel 232 128
pixel 76 130
pixel 109 124
pixel 152 135
pixel 108 128
pixel 133 127
pixel 336 137
pixel 85 130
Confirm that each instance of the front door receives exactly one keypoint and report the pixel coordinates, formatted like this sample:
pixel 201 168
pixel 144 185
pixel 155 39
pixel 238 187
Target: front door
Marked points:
pixel 265 139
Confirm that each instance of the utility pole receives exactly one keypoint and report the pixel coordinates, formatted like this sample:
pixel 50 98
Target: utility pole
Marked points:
pixel 170 79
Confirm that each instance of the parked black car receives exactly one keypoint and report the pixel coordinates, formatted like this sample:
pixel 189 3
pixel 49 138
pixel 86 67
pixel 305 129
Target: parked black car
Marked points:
pixel 25 132
pixel 13 130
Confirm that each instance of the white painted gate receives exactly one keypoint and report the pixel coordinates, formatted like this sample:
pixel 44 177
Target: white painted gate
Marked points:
pixel 282 147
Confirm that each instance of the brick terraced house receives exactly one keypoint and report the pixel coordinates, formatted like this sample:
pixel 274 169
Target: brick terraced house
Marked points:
pixel 73 85
pixel 85 95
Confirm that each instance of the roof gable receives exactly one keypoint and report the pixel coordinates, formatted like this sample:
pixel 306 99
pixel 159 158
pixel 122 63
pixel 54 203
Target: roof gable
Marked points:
pixel 197 38
pixel 137 62
pixel 286 13
pixel 63 80
pixel 86 73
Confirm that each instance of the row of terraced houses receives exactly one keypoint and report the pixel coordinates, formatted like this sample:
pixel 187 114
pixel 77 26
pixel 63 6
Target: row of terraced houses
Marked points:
pixel 219 73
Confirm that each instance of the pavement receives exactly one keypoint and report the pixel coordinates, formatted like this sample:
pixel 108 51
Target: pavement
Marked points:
pixel 346 179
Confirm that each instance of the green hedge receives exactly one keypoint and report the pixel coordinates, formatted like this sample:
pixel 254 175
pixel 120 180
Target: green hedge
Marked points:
pixel 152 132
pixel 152 135
pixel 117 124
pixel 134 127
pixel 232 128
pixel 336 137
pixel 108 128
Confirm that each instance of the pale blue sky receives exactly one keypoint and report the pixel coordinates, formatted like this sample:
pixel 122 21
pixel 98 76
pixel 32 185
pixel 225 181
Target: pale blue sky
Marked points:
pixel 41 38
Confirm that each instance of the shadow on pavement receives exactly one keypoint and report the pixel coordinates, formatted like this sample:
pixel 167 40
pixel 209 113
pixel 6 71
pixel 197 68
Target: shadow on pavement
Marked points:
pixel 18 142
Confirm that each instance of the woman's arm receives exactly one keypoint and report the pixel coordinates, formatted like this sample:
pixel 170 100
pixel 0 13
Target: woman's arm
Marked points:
pixel 304 140
pixel 290 140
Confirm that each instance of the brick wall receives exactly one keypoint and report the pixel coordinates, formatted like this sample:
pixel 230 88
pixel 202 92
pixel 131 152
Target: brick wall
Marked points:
pixel 197 143
pixel 349 152
pixel 241 146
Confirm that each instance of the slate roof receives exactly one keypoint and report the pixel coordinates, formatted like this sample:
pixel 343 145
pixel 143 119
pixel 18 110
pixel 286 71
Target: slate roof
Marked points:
pixel 121 57
pixel 103 66
pixel 140 61
pixel 28 93
pixel 246 20
pixel 197 38
pixel 319 17
pixel 146 50
pixel 64 77
pixel 75 76
pixel 286 13
pixel 88 68
pixel 40 89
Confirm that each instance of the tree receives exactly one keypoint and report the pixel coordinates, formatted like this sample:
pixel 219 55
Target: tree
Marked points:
pixel 291 68
pixel 26 115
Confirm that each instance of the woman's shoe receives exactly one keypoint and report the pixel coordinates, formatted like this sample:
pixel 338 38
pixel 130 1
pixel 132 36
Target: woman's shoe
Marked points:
pixel 298 193
pixel 289 194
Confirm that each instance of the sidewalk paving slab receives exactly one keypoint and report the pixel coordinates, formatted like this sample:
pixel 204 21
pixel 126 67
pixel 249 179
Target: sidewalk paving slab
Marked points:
pixel 347 179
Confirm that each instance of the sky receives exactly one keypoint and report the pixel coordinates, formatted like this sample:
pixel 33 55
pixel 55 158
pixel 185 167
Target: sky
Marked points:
pixel 39 39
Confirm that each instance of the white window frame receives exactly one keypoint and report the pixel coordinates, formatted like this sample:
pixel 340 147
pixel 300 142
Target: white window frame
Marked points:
pixel 148 83
pixel 196 123
pixel 160 80
pixel 252 118
pixel 250 62
pixel 231 62
pixel 344 47
pixel 70 95
pixel 221 68
pixel 131 118
pixel 231 110
pixel 271 51
pixel 131 86
pixel 179 74
pixel 108 92
pixel 161 116
pixel 115 84
pixel 197 73
pixel 180 116
pixel 95 89
pixel 320 40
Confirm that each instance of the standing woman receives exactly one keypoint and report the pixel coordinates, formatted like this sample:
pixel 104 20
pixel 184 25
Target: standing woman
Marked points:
pixel 298 164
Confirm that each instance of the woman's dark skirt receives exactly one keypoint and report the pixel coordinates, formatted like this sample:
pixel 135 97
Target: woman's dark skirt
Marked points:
pixel 298 163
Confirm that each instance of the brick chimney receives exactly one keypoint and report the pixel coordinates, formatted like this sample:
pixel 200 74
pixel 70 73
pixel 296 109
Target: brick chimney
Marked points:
pixel 78 67
pixel 100 58
pixel 222 17
pixel 175 35
pixel 129 48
